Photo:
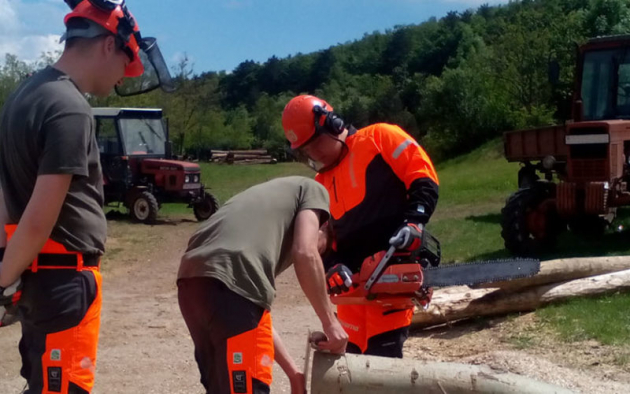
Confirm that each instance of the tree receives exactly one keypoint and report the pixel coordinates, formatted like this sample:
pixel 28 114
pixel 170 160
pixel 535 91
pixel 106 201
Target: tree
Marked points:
pixel 606 17
pixel 11 74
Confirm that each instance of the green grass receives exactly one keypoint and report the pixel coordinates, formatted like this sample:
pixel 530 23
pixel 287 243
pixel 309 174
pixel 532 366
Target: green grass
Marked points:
pixel 605 319
pixel 473 188
pixel 522 341
pixel 224 181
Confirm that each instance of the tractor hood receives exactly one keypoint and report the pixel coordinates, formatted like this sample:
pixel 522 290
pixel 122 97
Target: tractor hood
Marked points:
pixel 173 165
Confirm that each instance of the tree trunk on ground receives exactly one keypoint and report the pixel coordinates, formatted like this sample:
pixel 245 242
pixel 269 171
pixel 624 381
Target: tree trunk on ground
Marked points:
pixel 238 152
pixel 554 271
pixel 448 306
pixel 359 374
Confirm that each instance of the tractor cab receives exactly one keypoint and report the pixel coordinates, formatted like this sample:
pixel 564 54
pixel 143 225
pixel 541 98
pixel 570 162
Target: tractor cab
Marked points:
pixel 584 164
pixel 137 168
pixel 604 80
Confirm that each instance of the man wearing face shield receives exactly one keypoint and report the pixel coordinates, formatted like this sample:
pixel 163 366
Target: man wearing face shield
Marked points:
pixel 53 229
pixel 380 181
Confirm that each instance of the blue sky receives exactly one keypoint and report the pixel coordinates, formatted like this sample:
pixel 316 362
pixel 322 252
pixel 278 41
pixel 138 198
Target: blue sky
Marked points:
pixel 219 34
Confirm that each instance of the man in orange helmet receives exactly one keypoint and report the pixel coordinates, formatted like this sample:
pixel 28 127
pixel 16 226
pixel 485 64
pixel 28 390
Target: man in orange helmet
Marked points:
pixel 380 182
pixel 53 229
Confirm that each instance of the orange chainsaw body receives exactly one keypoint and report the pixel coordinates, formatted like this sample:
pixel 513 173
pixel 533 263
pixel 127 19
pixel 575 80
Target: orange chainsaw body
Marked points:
pixel 400 286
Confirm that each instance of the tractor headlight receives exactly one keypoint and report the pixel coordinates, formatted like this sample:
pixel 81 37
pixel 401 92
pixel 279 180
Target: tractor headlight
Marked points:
pixel 196 179
pixel 187 178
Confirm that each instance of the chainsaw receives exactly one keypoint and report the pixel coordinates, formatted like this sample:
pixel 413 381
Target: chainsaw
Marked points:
pixel 396 279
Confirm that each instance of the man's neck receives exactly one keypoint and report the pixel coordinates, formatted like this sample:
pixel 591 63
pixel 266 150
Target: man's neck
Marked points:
pixel 76 70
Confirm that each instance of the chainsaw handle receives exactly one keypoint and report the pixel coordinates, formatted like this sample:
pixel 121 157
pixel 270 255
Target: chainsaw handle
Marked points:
pixel 380 268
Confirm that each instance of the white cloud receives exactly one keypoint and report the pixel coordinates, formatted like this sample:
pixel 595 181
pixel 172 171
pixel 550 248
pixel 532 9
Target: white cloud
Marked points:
pixel 27 29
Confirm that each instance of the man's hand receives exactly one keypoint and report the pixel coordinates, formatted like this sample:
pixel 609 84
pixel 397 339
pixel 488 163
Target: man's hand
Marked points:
pixel 337 339
pixel 339 279
pixel 9 297
pixel 298 384
pixel 408 237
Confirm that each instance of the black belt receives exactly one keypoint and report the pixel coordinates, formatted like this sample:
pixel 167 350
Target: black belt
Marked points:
pixel 66 260
pixel 69 260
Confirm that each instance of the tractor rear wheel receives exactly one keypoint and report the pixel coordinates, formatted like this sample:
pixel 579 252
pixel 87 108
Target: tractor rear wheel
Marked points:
pixel 206 207
pixel 530 223
pixel 144 208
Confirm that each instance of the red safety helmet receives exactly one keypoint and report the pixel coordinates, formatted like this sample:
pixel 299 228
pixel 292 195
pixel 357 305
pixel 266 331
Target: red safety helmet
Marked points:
pixel 298 119
pixel 114 17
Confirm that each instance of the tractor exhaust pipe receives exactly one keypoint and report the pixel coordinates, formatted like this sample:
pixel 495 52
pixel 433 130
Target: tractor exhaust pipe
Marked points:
pixel 359 374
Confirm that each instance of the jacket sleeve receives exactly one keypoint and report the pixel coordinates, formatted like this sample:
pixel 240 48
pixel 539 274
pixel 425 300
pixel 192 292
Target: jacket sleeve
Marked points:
pixel 412 165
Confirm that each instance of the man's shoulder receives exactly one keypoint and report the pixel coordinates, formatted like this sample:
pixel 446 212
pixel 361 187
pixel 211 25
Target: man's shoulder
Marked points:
pixel 295 181
pixel 377 128
pixel 54 89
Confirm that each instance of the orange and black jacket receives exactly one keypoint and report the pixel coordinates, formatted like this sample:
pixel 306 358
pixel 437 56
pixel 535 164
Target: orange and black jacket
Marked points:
pixel 385 179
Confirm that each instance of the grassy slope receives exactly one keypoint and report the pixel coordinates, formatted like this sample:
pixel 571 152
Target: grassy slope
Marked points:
pixel 473 189
pixel 225 181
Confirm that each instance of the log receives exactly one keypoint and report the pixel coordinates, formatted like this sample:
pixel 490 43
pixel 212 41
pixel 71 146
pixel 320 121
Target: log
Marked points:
pixel 256 161
pixel 238 152
pixel 240 157
pixel 447 307
pixel 360 374
pixel 554 271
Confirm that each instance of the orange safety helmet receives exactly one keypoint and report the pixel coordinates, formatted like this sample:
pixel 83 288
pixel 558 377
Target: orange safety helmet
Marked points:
pixel 299 119
pixel 114 17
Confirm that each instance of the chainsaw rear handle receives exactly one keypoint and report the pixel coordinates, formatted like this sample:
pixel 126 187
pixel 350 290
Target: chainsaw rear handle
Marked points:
pixel 400 238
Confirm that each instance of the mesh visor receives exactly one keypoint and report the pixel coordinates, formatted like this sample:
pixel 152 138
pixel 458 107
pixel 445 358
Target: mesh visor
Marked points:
pixel 300 156
pixel 155 74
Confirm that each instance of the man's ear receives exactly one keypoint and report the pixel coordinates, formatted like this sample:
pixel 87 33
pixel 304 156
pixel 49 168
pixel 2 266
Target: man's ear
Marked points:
pixel 109 45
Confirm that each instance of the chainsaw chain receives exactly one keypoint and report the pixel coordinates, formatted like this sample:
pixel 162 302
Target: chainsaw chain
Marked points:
pixel 527 271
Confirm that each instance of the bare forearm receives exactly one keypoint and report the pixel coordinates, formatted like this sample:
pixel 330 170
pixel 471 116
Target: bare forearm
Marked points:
pixel 4 220
pixel 310 273
pixel 282 356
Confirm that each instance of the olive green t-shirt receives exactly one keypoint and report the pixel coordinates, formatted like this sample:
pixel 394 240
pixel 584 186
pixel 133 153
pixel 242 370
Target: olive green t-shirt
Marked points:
pixel 47 127
pixel 247 243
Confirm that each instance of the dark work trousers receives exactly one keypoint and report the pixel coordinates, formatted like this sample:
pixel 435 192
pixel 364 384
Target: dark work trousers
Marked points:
pixel 60 315
pixel 232 336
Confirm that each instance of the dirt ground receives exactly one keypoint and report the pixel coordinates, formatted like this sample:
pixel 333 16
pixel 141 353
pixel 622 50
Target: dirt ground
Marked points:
pixel 145 347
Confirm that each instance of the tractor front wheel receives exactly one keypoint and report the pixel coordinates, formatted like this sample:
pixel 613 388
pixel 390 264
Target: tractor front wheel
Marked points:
pixel 530 223
pixel 144 208
pixel 206 207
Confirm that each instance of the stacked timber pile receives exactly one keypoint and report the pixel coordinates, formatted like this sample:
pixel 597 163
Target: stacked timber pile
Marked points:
pixel 558 280
pixel 256 156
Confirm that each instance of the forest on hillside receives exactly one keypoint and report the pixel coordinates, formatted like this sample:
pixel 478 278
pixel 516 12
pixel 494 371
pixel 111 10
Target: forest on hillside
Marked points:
pixel 453 83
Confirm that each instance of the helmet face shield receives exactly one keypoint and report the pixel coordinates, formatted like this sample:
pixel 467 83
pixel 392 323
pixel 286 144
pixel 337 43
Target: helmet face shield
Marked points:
pixel 147 69
pixel 302 157
pixel 301 154
pixel 155 75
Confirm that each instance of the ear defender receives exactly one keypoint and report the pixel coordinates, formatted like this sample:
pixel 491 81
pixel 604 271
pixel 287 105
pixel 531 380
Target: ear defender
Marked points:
pixel 333 123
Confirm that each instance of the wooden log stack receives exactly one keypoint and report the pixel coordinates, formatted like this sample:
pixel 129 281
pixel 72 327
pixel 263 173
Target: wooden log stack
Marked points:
pixel 557 281
pixel 255 156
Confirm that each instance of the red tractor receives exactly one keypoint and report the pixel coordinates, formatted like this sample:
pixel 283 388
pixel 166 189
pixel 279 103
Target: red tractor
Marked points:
pixel 584 164
pixel 137 173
